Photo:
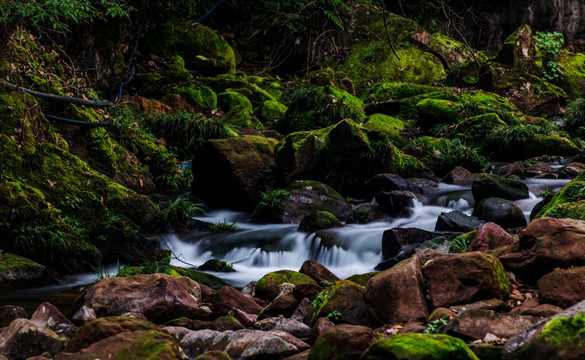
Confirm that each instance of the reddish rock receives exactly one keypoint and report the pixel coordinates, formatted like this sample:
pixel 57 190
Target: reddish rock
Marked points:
pixel 541 171
pixel 397 294
pixel 459 176
pixel 159 297
pixel 491 304
pixel 514 169
pixel 571 170
pixel 243 317
pixel 562 288
pixel 228 298
pixel 540 311
pixel 412 326
pixel 23 339
pixel 490 236
pixel 308 290
pixel 347 298
pixel 284 305
pixel 475 324
pixel 319 327
pixel 303 311
pixel 464 278
pixel 49 317
pixel 102 328
pixel 318 272
pixel 546 244
pixel 11 312
pixel 342 342
pixel 206 293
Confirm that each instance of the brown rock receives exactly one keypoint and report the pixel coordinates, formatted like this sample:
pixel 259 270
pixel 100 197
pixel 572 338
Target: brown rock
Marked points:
pixel 319 327
pixel 490 236
pixel 284 305
pixel 318 272
pixel 291 326
pixel 475 324
pixel 491 304
pixel 394 239
pixel 228 298
pixel 49 317
pixel 11 312
pixel 146 106
pixel 544 245
pixel 243 317
pixel 23 339
pixel 206 293
pixel 562 288
pixel 459 176
pixel 464 278
pixel 541 171
pixel 511 169
pixel 308 290
pixel 102 328
pixel 159 297
pixel 346 298
pixel 571 170
pixel 342 342
pixel 412 326
pixel 441 313
pixel 397 294
pixel 540 311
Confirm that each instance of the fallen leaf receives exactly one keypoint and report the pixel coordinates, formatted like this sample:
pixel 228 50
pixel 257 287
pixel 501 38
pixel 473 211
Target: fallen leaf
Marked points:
pixel 51 183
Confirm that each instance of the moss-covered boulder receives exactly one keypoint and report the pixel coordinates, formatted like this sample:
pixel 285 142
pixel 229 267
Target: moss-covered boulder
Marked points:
pixel 419 347
pixel 201 277
pixel 229 172
pixel 311 107
pixel 318 220
pixel 328 76
pixel 573 66
pixel 344 155
pixel 342 342
pixel 436 111
pixel 488 185
pixel 542 144
pixel 17 270
pixel 269 111
pixel 201 47
pixel 344 300
pixel 388 125
pixel 569 202
pixel 268 287
pixel 229 100
pixel 519 51
pixel 198 96
pixel 477 130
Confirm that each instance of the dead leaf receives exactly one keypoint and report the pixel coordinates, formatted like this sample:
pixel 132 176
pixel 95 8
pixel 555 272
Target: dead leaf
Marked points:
pixel 51 183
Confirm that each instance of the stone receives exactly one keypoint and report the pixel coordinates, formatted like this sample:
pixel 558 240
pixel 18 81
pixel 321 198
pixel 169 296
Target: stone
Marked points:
pixel 487 186
pixel 96 330
pixel 365 214
pixel 318 220
pixel 520 52
pixel 303 311
pixel 512 169
pixel 346 298
pixel 248 320
pixel 291 326
pixel 571 170
pixel 283 305
pixel 500 211
pixel 268 287
pixel 539 311
pixel 317 272
pixel 546 244
pixel 491 304
pixel 11 312
pixel 241 344
pixel 307 290
pixel 475 324
pixel 159 297
pixel 464 278
pixel 214 355
pixel 563 287
pixel 418 346
pixel 49 317
pixel 228 298
pixel 459 176
pixel 228 172
pixel 397 294
pixel 141 344
pixel 23 339
pixel 319 327
pixel 18 270
pixel 457 221
pixel 490 236
pixel 393 240
pixel 389 182
pixel 541 171
pixel 392 202
pixel 342 342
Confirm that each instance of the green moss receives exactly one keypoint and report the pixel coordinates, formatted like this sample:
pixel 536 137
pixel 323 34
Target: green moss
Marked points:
pixel 569 202
pixel 15 263
pixel 388 125
pixel 327 301
pixel 573 66
pixel 214 355
pixel 386 91
pixel 202 96
pixel 362 279
pixel 270 110
pixel 269 285
pixel 477 130
pixel 419 346
pixel 229 100
pixel 200 277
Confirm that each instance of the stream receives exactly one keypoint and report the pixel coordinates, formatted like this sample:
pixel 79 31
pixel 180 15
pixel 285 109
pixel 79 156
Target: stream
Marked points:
pixel 257 249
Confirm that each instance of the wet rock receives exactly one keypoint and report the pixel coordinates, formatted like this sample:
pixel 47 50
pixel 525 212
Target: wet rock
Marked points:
pixel 389 182
pixel 491 304
pixel 307 290
pixel 303 311
pixel 393 240
pixel 392 202
pixel 418 346
pixel 490 236
pixel 460 176
pixel 464 278
pixel 539 311
pixel 15 270
pixel 397 294
pixel 541 171
pixel 571 170
pixel 317 272
pixel 142 344
pixel 544 245
pixel 500 211
pixel 241 344
pixel 23 339
pixel 318 220
pixel 291 326
pixel 247 320
pixel 284 305
pixel 487 186
pixel 268 287
pixel 228 172
pixel 11 312
pixel 319 327
pixel 457 221
pixel 342 342
pixel 347 299
pixel 513 169
pixel 476 324
pixel 365 214
pixel 228 298
pixel 562 288
pixel 159 297
pixel 49 317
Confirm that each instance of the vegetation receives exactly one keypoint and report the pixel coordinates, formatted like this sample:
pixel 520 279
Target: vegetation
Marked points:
pixel 223 226
pixel 436 326
pixel 181 209
pixel 550 45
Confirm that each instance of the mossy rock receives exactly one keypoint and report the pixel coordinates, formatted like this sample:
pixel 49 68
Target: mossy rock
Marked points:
pixel 214 355
pixel 268 287
pixel 201 277
pixel 569 202
pixel 230 100
pixel 269 111
pixel 201 47
pixel 387 91
pixel 344 298
pixel 541 144
pixel 318 220
pixel 477 129
pixel 311 108
pixel 419 347
pixel 519 51
pixel 388 125
pixel 436 111
pixel 362 279
pixel 243 117
pixel 202 96
pixel 256 89
pixel 328 76
pixel 573 66
pixel 17 270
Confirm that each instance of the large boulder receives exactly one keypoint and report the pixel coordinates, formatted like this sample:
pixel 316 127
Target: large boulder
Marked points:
pixel 241 344
pixel 562 287
pixel 344 154
pixel 49 317
pixel 389 182
pixel 269 286
pixel 342 342
pixel 319 220
pixel 202 48
pixel 159 297
pixel 346 298
pixel 397 294
pixel 17 270
pixel 487 186
pixel 457 221
pixel 365 214
pixel 544 245
pixel 229 172
pixel 23 339
pixel 395 201
pixel 569 202
pixel 419 347
pixel 490 236
pixel 317 271
pixel 227 298
pixel 500 211
pixel 393 240
pixel 464 278
pixel 476 324
pixel 519 51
